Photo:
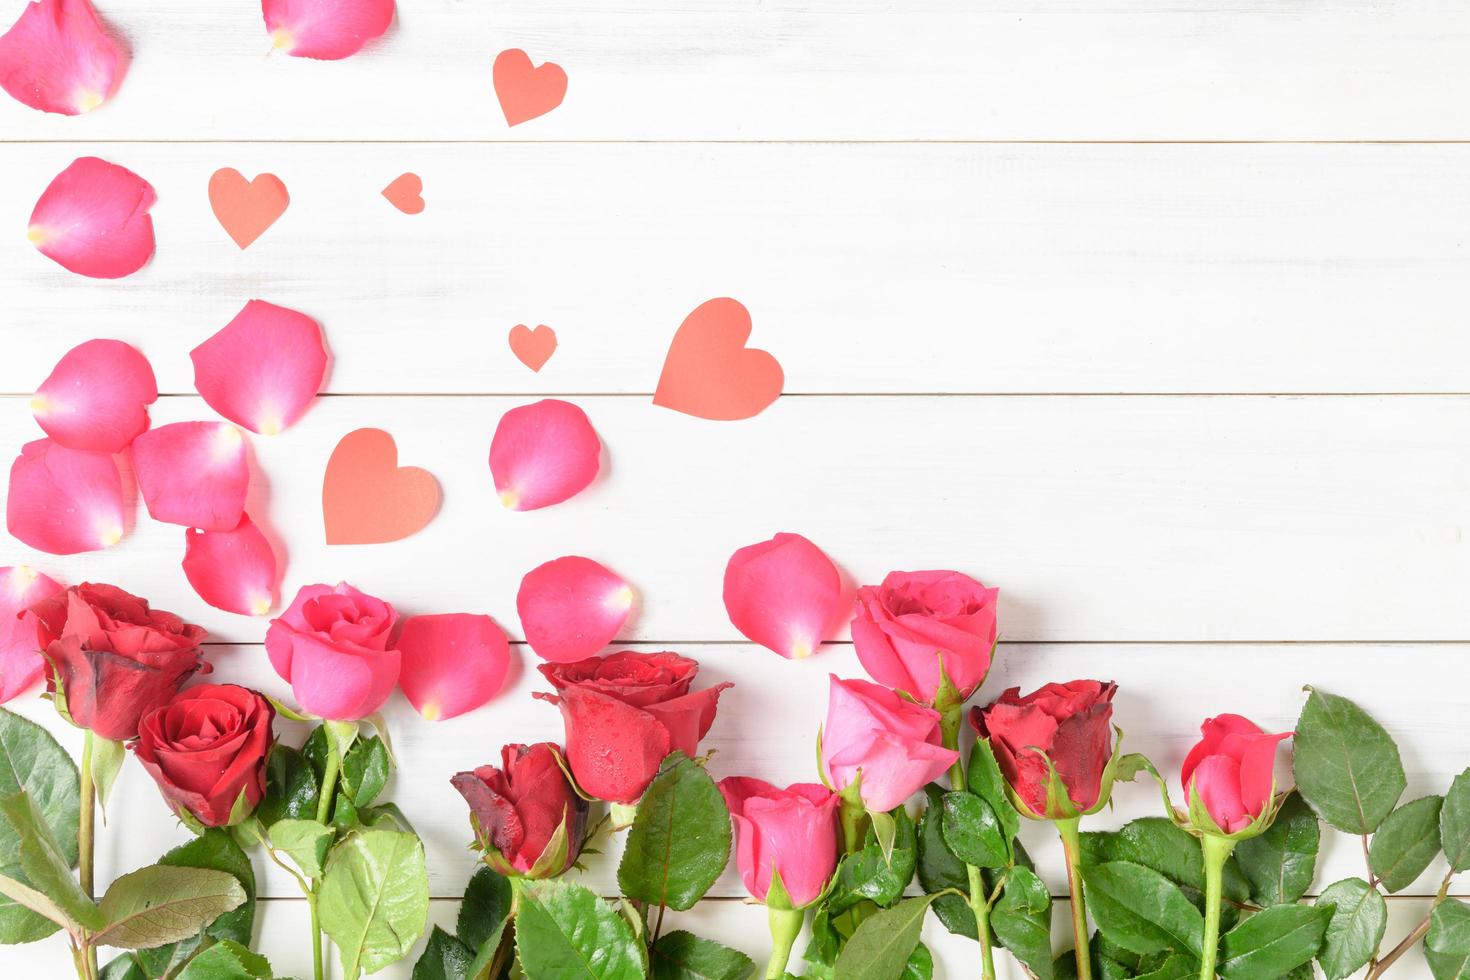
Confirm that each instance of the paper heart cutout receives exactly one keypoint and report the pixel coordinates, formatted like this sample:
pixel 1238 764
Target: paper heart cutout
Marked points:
pixel 246 208
pixel 532 347
pixel 406 193
pixel 710 373
pixel 367 498
pixel 526 92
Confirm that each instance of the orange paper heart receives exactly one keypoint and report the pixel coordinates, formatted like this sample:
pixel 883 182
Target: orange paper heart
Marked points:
pixel 710 373
pixel 246 208
pixel 526 92
pixel 533 347
pixel 367 498
pixel 406 193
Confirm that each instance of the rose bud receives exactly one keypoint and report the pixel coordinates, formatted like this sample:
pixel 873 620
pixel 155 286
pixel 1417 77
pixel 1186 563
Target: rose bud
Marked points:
pixel 332 646
pixel 1063 728
pixel 1229 779
pixel 206 750
pixel 625 712
pixel 111 659
pixel 527 818
pixel 895 743
pixel 790 832
pixel 904 629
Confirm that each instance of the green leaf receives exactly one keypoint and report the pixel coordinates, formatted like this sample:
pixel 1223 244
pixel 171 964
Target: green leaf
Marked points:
pixel 1281 863
pixel 880 948
pixel 1449 929
pixel 487 900
pixel 218 851
pixel 305 842
pixel 679 843
pixel 1405 843
pixel 1273 942
pixel 124 967
pixel 107 760
pixel 44 861
pixel 870 875
pixel 973 831
pixel 161 904
pixel 1022 920
pixel 920 965
pixel 292 786
pixel 1176 967
pixel 1140 909
pixel 565 932
pixel 1347 767
pixel 1448 966
pixel 444 958
pixel 684 956
pixel 1155 842
pixel 1359 917
pixel 31 760
pixel 374 899
pixel 986 781
pixel 365 770
pixel 1454 823
pixel 227 960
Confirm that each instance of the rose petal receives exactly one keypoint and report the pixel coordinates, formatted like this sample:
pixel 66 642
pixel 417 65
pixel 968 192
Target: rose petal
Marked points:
pixel 452 663
pixel 232 570
pixel 193 473
pixel 571 608
pixel 263 369
pixel 542 454
pixel 784 594
pixel 93 220
pixel 97 397
pixel 58 58
pixel 325 29
pixel 21 663
pixel 64 501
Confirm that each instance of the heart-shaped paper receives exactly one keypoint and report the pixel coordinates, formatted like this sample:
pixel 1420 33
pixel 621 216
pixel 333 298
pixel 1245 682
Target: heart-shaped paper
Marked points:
pixel 710 373
pixel 367 498
pixel 406 193
pixel 246 208
pixel 532 347
pixel 525 91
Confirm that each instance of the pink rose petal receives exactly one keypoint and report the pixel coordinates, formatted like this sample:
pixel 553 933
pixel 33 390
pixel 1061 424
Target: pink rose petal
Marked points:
pixel 97 397
pixel 193 473
pixel 64 501
pixel 57 58
pixel 93 220
pixel 21 663
pixel 542 454
pixel 571 608
pixel 263 369
pixel 325 29
pixel 784 594
pixel 232 570
pixel 452 663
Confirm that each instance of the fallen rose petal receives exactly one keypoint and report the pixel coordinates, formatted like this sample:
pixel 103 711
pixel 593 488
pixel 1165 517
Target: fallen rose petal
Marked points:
pixel 572 607
pixel 263 369
pixel 542 454
pixel 97 397
pixel 92 219
pixel 784 594
pixel 452 663
pixel 325 29
pixel 193 473
pixel 58 58
pixel 232 570
pixel 64 501
pixel 21 663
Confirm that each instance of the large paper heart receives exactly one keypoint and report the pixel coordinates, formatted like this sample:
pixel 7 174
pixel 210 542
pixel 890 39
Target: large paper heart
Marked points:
pixel 532 347
pixel 246 208
pixel 367 498
pixel 526 92
pixel 710 373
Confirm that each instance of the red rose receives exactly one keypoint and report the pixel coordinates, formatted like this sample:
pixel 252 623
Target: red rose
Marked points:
pixel 1070 724
pixel 112 657
pixel 520 810
pixel 624 713
pixel 1231 771
pixel 206 750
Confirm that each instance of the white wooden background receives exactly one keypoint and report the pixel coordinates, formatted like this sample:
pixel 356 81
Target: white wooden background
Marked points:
pixel 1150 313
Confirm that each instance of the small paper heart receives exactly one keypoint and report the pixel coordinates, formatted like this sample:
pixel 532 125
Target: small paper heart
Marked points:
pixel 406 193
pixel 526 91
pixel 367 498
pixel 532 347
pixel 246 208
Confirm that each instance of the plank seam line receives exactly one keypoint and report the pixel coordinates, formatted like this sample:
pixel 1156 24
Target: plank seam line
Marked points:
pixel 1358 141
pixel 861 394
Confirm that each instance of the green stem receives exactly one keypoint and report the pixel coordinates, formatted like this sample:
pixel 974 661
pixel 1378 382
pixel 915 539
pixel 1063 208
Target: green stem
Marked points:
pixel 1217 851
pixel 86 836
pixel 785 927
pixel 851 815
pixel 1072 846
pixel 317 962
pixel 980 905
pixel 323 811
pixel 950 723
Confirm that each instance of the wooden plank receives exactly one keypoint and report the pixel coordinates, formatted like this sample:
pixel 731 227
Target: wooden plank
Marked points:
pixel 873 268
pixel 803 69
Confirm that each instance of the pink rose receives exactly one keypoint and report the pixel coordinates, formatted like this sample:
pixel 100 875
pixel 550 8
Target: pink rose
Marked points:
pixel 894 743
pixel 332 645
pixel 791 831
pixel 1232 771
pixel 904 628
